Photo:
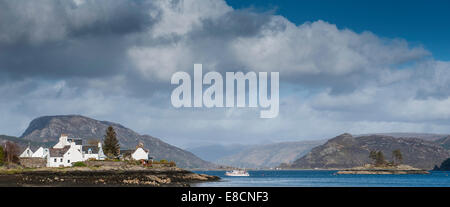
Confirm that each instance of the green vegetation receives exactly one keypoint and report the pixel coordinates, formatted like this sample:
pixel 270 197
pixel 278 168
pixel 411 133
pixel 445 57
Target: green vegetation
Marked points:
pixel 111 145
pixel 397 157
pixel 11 152
pixel 79 164
pixel 2 156
pixel 378 159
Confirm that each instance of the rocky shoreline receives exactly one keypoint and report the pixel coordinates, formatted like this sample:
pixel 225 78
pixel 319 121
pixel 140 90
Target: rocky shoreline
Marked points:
pixel 168 177
pixel 372 170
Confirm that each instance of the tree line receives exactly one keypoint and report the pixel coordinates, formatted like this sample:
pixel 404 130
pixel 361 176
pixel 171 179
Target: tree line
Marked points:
pixel 378 158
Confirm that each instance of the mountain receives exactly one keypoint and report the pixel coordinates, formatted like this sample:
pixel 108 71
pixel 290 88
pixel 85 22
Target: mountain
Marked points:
pixel 255 156
pixel 424 136
pixel 345 151
pixel 269 155
pixel 214 152
pixel 444 142
pixel 47 129
pixel 23 143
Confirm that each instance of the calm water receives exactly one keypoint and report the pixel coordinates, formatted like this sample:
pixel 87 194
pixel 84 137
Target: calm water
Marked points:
pixel 315 178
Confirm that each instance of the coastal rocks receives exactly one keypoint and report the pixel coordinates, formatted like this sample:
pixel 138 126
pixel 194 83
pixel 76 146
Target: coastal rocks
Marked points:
pixel 372 170
pixel 93 178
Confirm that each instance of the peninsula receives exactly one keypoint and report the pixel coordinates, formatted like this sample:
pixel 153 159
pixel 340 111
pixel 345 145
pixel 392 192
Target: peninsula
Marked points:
pixel 102 173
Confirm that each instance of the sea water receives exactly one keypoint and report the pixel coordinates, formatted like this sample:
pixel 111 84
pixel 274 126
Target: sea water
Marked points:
pixel 325 178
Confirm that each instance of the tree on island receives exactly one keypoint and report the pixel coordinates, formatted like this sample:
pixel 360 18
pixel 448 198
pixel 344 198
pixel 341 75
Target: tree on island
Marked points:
pixel 397 157
pixel 111 145
pixel 377 157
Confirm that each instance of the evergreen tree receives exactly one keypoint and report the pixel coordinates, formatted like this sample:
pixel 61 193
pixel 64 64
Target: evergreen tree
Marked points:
pixel 398 157
pixel 380 161
pixel 373 156
pixel 111 145
pixel 2 156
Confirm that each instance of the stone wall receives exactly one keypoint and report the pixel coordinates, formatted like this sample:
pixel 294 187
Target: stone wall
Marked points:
pixel 98 163
pixel 33 162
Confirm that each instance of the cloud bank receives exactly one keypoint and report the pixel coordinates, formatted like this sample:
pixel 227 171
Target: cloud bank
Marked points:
pixel 112 60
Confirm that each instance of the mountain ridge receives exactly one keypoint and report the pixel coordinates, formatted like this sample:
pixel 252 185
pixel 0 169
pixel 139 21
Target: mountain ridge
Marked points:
pixel 47 129
pixel 346 151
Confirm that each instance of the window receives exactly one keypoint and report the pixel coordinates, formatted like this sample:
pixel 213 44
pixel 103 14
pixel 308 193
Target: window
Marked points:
pixel 68 161
pixel 61 160
pixel 56 160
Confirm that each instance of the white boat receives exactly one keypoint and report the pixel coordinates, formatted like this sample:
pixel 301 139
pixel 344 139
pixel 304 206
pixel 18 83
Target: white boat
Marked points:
pixel 237 173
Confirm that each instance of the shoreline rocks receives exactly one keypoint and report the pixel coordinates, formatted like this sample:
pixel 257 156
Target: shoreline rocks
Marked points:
pixel 95 178
pixel 386 170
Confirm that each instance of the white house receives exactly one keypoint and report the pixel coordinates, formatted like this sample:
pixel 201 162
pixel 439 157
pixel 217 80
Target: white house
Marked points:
pixel 41 152
pixel 27 152
pixel 137 154
pixel 93 152
pixel 140 154
pixel 70 150
pixel 64 156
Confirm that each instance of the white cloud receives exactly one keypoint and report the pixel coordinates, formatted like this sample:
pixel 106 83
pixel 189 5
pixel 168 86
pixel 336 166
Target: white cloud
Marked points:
pixel 332 80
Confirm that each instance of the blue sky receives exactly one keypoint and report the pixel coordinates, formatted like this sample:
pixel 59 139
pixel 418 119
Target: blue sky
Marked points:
pixel 419 22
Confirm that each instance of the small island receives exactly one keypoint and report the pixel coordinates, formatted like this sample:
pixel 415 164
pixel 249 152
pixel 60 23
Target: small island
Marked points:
pixel 382 167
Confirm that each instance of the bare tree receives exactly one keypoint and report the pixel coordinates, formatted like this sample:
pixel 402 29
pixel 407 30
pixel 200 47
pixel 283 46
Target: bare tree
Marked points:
pixel 11 152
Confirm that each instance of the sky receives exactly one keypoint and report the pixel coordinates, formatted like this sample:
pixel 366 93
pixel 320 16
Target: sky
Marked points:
pixel 348 67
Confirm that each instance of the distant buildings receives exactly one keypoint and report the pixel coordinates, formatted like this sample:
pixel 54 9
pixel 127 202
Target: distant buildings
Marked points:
pixel 70 150
pixel 140 153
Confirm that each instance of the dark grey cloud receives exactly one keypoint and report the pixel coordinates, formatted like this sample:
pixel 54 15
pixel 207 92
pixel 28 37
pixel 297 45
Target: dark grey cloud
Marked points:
pixel 60 39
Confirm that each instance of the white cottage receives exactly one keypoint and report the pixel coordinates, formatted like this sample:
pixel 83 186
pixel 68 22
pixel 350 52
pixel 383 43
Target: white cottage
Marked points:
pixel 64 157
pixel 140 153
pixel 93 152
pixel 41 153
pixel 27 152
pixel 65 152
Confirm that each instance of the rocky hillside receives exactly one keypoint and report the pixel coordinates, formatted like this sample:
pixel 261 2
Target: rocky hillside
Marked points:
pixel 345 151
pixel 444 142
pixel 47 129
pixel 23 143
pixel 268 155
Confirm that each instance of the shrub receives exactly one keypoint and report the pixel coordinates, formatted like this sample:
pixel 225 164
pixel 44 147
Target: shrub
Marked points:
pixel 2 156
pixel 79 164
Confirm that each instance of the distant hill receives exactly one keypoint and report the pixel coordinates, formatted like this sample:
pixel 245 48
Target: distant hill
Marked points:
pixel 424 136
pixel 23 143
pixel 255 156
pixel 48 129
pixel 444 142
pixel 214 152
pixel 346 151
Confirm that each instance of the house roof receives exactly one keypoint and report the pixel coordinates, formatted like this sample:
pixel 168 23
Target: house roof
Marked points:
pixel 94 149
pixel 131 151
pixel 126 152
pixel 56 152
